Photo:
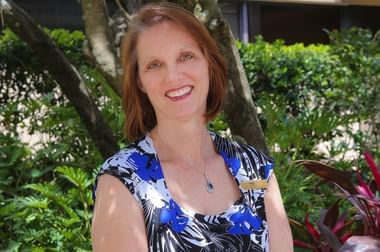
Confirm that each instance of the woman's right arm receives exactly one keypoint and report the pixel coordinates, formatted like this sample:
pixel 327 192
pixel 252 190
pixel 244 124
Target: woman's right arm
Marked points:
pixel 118 221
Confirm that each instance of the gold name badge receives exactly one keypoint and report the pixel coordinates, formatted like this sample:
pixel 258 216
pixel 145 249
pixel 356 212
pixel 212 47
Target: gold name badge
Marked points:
pixel 254 184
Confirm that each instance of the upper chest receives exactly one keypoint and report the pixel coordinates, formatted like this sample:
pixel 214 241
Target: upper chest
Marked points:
pixel 188 186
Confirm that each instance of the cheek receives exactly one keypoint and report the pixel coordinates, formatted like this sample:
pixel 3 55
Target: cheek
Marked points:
pixel 198 70
pixel 149 83
pixel 204 71
pixel 204 74
pixel 146 81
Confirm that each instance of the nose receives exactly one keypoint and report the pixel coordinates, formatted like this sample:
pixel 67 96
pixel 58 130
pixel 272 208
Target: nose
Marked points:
pixel 174 73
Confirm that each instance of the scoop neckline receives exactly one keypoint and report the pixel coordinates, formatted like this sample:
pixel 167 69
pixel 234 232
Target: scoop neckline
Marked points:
pixel 193 213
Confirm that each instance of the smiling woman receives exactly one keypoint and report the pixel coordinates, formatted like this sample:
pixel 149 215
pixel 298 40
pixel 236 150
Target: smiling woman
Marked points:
pixel 137 123
pixel 182 187
pixel 173 73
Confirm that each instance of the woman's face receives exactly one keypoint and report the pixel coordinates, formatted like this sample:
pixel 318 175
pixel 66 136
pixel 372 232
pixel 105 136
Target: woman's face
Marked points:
pixel 173 72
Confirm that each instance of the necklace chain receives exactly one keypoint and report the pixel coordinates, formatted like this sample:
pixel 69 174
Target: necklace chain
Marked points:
pixel 208 184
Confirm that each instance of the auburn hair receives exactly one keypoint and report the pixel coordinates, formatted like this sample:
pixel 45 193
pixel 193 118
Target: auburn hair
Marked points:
pixel 139 114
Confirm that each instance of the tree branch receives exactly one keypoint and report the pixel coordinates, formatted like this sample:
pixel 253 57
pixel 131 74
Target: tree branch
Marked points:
pixel 101 39
pixel 123 9
pixel 239 107
pixel 63 72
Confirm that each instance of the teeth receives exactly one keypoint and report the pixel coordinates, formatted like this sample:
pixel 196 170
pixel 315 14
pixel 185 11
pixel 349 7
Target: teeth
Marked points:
pixel 179 92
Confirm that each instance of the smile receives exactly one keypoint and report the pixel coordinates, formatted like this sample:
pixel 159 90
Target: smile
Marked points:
pixel 179 92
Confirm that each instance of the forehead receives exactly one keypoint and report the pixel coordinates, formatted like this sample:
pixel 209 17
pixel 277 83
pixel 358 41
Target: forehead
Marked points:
pixel 162 37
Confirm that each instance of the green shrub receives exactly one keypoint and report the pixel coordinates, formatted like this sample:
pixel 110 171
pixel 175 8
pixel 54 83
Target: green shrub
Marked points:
pixel 31 102
pixel 308 95
pixel 304 76
pixel 54 216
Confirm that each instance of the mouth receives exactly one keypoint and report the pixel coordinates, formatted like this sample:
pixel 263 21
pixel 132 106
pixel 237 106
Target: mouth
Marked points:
pixel 179 93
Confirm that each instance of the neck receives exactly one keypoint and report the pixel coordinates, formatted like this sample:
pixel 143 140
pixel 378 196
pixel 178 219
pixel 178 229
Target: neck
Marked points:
pixel 188 142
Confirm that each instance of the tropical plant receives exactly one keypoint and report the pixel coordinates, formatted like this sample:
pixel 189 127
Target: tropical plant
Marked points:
pixel 54 216
pixel 364 197
pixel 332 229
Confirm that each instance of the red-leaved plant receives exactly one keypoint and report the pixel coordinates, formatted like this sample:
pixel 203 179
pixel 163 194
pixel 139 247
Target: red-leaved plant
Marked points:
pixel 333 229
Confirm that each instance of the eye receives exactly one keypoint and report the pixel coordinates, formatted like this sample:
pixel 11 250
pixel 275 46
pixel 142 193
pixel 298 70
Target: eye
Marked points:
pixel 186 56
pixel 153 65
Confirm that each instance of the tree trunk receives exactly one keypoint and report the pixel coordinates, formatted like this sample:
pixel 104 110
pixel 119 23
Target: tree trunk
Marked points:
pixel 63 72
pixel 101 40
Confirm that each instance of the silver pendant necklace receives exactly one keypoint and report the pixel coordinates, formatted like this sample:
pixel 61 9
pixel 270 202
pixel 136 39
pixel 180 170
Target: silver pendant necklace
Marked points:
pixel 209 185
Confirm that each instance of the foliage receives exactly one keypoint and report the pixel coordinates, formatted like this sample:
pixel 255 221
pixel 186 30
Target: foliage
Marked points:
pixel 52 217
pixel 22 75
pixel 302 75
pixel 358 50
pixel 41 131
pixel 364 197
pixel 332 231
pixel 35 106
pixel 309 99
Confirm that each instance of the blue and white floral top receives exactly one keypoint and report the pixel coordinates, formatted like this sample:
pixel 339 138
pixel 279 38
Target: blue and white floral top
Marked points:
pixel 169 227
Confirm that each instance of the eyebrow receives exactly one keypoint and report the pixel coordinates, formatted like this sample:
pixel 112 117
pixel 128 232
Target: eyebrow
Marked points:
pixel 182 49
pixel 147 60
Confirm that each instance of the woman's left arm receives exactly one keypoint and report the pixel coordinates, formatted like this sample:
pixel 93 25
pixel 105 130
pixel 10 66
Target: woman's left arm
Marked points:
pixel 280 235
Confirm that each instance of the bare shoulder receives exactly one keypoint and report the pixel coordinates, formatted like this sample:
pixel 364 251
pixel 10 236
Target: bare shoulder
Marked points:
pixel 118 222
pixel 280 235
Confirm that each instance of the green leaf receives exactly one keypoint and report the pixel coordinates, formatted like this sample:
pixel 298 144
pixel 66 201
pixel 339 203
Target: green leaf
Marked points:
pixel 47 189
pixel 76 176
pixel 35 202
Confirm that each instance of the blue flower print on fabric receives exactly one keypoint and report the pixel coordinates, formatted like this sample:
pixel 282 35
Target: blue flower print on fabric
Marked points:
pixel 171 214
pixel 244 222
pixel 146 170
pixel 267 168
pixel 232 163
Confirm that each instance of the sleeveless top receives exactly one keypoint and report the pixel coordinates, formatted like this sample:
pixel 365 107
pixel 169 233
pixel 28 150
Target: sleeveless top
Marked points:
pixel 169 227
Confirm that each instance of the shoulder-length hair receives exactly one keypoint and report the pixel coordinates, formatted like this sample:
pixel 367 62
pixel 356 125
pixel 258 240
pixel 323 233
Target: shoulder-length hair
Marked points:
pixel 139 115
